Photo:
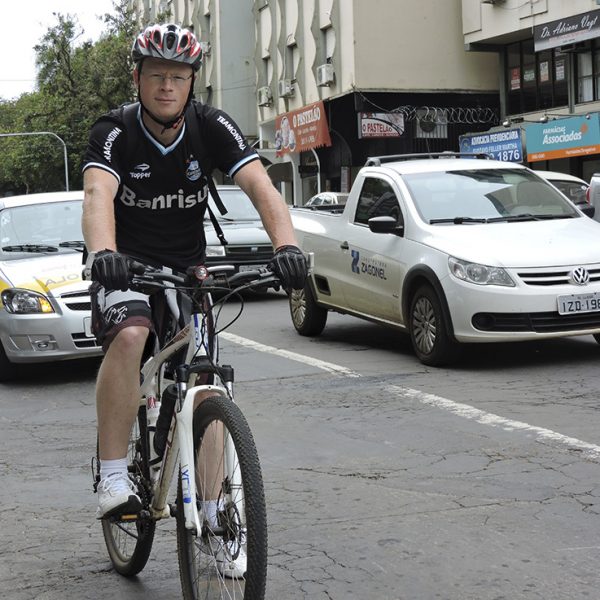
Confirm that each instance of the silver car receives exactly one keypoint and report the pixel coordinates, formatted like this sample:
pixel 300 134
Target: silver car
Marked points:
pixel 248 245
pixel 44 304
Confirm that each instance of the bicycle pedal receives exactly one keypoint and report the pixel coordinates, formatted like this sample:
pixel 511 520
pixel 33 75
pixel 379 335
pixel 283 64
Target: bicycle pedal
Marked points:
pixel 128 517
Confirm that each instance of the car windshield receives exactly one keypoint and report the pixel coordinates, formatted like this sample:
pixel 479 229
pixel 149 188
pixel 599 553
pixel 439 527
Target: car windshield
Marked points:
pixel 239 206
pixel 40 228
pixel 485 195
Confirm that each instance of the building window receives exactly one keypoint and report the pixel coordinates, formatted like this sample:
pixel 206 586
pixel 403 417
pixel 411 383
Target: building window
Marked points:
pixel 585 77
pixel 535 81
pixel 588 73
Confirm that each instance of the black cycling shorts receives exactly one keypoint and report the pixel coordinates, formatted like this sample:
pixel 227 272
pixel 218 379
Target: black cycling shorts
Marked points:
pixel 114 310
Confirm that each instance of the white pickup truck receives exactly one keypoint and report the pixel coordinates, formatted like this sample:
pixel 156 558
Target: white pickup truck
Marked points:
pixel 451 249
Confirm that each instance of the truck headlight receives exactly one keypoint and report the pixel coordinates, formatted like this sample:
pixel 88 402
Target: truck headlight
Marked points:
pixel 215 250
pixel 479 274
pixel 22 302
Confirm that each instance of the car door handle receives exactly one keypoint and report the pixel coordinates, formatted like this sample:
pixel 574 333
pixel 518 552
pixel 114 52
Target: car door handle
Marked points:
pixel 345 246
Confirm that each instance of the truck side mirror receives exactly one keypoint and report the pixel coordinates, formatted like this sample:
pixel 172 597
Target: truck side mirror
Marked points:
pixel 588 210
pixel 385 224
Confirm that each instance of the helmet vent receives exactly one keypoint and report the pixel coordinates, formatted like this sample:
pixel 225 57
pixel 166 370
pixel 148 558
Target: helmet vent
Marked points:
pixel 170 40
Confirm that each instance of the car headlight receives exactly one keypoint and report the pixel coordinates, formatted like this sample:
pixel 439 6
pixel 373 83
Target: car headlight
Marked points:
pixel 215 250
pixel 21 302
pixel 479 274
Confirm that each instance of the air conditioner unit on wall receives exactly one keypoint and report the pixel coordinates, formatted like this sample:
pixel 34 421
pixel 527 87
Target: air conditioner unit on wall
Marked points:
pixel 325 75
pixel 264 96
pixel 285 88
pixel 206 48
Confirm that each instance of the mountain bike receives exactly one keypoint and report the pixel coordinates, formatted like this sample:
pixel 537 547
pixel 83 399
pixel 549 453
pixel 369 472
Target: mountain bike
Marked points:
pixel 207 441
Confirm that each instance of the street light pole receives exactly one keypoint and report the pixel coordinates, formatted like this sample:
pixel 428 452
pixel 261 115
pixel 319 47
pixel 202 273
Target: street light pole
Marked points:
pixel 53 135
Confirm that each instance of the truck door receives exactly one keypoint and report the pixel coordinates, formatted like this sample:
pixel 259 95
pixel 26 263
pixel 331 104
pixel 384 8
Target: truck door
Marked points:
pixel 377 260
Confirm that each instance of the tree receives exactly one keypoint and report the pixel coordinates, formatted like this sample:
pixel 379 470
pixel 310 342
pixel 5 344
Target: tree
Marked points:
pixel 77 82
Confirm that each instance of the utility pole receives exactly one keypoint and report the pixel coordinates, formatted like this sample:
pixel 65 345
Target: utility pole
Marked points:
pixel 53 135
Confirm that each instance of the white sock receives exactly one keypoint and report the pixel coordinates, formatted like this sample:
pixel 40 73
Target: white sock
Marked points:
pixel 108 467
pixel 210 508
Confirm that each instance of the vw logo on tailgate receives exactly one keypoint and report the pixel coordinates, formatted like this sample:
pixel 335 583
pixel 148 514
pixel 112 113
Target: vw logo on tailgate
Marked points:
pixel 579 276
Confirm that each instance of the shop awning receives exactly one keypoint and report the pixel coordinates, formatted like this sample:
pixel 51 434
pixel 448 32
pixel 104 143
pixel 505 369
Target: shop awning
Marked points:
pixel 281 171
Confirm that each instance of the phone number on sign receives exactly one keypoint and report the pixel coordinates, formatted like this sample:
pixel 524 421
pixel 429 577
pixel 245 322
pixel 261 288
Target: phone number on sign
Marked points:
pixel 512 155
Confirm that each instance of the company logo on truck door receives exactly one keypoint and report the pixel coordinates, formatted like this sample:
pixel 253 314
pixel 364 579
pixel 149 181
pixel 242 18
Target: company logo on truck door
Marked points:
pixel 368 266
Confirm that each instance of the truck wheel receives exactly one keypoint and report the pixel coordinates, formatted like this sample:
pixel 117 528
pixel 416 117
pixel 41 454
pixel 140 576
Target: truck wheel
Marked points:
pixel 8 370
pixel 307 316
pixel 427 328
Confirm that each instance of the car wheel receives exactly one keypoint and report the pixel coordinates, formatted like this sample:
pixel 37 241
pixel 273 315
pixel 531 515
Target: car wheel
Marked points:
pixel 428 329
pixel 307 316
pixel 8 370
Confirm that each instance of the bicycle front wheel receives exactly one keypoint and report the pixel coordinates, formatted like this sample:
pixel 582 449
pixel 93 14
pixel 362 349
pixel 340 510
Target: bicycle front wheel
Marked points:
pixel 129 542
pixel 228 472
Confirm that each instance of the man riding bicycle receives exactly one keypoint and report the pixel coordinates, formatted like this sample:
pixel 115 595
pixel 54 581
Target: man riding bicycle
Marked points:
pixel 146 173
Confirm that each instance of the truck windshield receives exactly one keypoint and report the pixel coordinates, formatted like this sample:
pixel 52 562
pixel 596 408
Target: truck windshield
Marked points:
pixel 485 195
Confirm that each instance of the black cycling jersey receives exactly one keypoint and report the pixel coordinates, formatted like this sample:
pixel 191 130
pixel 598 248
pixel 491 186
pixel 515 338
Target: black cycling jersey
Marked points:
pixel 161 200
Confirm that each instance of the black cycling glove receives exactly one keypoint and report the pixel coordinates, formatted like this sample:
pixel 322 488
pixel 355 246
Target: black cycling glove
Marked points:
pixel 289 264
pixel 111 270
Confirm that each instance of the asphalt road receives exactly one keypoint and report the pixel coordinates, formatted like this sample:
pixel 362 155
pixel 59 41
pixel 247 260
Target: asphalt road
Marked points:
pixel 385 479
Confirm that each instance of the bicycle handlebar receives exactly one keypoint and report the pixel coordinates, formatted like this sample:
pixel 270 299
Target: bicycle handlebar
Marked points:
pixel 207 278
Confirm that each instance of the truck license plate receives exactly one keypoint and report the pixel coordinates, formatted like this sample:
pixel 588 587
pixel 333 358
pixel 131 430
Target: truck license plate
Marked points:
pixel 579 303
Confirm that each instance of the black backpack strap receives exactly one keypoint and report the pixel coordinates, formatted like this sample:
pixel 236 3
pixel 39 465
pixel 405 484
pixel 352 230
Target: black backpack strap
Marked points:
pixel 191 122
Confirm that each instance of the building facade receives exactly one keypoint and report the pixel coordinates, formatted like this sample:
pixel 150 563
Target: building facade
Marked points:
pixel 336 81
pixel 549 66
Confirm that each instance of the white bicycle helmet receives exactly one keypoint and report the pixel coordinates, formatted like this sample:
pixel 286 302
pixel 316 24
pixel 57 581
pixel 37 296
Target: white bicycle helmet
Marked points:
pixel 168 41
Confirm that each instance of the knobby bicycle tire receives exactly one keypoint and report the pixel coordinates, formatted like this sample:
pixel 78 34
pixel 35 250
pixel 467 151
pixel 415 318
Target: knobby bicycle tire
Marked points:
pixel 200 578
pixel 129 543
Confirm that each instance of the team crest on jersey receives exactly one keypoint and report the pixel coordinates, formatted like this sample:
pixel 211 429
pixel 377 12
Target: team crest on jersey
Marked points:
pixel 193 171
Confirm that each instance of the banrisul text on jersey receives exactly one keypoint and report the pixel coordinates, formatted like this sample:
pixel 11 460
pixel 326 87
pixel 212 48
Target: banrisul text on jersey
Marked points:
pixel 179 200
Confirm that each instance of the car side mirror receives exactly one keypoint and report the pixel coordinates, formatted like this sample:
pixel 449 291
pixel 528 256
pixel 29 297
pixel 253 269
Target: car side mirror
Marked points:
pixel 588 210
pixel 385 224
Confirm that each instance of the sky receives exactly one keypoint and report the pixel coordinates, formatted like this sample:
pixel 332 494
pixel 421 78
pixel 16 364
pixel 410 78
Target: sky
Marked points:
pixel 24 24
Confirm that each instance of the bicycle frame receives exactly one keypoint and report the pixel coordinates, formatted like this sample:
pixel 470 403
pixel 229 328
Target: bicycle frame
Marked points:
pixel 180 441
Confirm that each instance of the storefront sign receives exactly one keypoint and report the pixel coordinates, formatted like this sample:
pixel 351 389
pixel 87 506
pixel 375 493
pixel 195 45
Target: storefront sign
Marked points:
pixel 571 30
pixel 561 138
pixel 302 129
pixel 380 125
pixel 501 145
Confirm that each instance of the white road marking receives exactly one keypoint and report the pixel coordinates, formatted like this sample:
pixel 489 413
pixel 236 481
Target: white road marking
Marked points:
pixel 307 360
pixel 462 410
pixel 485 418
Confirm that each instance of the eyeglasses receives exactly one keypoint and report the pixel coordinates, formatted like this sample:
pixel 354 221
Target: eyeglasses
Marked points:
pixel 159 78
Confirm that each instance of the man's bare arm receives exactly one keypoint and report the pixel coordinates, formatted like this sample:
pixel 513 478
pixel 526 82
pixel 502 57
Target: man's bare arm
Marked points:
pixel 98 221
pixel 271 207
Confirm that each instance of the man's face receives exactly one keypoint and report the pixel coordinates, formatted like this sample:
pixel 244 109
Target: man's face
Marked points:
pixel 164 86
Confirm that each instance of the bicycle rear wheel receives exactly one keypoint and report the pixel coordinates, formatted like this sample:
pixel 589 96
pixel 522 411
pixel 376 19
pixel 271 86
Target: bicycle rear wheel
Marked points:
pixel 129 542
pixel 241 514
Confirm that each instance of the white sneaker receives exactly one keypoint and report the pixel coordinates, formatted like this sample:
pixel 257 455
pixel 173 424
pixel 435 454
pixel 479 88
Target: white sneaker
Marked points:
pixel 117 495
pixel 233 568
